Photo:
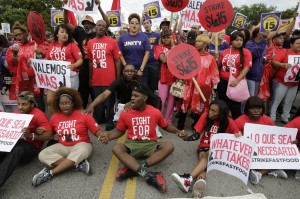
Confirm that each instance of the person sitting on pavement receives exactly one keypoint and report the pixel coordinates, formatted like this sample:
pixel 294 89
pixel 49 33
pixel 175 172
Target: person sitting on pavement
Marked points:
pixel 214 121
pixel 28 146
pixel 74 146
pixel 254 113
pixel 140 122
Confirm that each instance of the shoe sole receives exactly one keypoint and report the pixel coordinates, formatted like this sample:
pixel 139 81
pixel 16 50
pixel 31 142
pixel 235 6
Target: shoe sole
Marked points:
pixel 252 178
pixel 176 178
pixel 198 188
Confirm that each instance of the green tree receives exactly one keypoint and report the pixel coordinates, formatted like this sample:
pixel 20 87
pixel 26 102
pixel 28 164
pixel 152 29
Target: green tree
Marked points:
pixel 17 10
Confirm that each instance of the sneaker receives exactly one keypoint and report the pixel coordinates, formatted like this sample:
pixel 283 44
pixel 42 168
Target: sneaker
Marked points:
pixel 125 173
pixel 254 176
pixel 279 173
pixel 157 180
pixel 84 166
pixel 297 175
pixel 43 176
pixel 198 188
pixel 158 133
pixel 183 181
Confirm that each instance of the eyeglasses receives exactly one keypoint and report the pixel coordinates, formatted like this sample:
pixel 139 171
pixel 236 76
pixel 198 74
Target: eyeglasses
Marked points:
pixel 66 104
pixel 129 71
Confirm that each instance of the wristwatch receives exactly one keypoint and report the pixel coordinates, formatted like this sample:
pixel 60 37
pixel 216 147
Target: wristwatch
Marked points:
pixel 141 69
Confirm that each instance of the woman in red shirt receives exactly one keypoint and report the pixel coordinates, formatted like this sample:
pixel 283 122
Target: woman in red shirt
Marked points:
pixel 74 145
pixel 214 121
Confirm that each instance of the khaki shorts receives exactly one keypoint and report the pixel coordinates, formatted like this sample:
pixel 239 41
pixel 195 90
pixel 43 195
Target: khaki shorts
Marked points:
pixel 76 153
pixel 141 149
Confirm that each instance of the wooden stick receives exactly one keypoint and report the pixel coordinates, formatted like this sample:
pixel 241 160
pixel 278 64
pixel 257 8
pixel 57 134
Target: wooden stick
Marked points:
pixel 35 47
pixel 171 21
pixel 199 89
pixel 216 43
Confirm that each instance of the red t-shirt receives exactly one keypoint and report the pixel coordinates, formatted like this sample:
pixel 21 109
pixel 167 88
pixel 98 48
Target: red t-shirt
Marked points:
pixel 39 120
pixel 166 76
pixel 141 124
pixel 205 139
pixel 243 119
pixel 58 52
pixel 226 59
pixel 282 57
pixel 74 128
pixel 295 123
pixel 103 52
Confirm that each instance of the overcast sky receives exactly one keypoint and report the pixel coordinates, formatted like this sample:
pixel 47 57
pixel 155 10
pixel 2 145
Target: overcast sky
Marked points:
pixel 130 6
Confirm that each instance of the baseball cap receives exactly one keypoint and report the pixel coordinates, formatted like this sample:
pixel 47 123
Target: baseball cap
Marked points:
pixel 164 21
pixel 191 37
pixel 140 88
pixel 26 95
pixel 165 33
pixel 89 19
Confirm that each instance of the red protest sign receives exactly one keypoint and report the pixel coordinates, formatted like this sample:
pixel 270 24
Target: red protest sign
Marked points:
pixel 175 5
pixel 215 15
pixel 183 61
pixel 36 27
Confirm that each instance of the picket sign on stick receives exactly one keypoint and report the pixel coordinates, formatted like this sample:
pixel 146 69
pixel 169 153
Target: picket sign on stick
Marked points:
pixel 183 62
pixel 216 43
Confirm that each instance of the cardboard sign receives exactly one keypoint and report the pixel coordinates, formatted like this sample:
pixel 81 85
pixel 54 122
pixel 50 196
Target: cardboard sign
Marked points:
pixel 293 73
pixel 231 155
pixel 274 148
pixel 153 10
pixel 190 16
pixel 36 27
pixel 5 27
pixel 114 18
pixel 183 61
pixel 82 7
pixel 269 22
pixel 10 129
pixel 239 20
pixel 215 15
pixel 175 5
pixel 51 74
pixel 57 17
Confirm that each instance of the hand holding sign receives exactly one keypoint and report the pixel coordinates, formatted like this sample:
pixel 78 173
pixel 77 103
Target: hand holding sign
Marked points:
pixel 183 62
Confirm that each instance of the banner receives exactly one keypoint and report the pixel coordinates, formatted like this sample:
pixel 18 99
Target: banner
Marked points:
pixel 57 17
pixel 82 7
pixel 190 16
pixel 51 74
pixel 273 147
pixel 153 10
pixel 269 22
pixel 231 155
pixel 114 17
pixel 10 129
pixel 239 20
pixel 293 73
pixel 5 27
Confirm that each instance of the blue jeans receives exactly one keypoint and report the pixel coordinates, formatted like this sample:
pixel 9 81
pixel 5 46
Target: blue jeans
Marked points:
pixel 253 87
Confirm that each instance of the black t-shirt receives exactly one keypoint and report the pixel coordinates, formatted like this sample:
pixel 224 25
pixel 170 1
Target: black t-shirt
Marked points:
pixel 82 38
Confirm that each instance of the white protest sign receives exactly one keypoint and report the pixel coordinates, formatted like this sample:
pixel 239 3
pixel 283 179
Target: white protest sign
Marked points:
pixel 82 6
pixel 297 23
pixel 293 73
pixel 5 27
pixel 11 125
pixel 190 16
pixel 231 155
pixel 51 74
pixel 273 147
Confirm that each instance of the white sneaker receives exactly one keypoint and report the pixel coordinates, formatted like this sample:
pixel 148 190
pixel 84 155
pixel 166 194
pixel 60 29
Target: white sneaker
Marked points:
pixel 158 133
pixel 279 173
pixel 297 175
pixel 254 176
pixel 183 181
pixel 198 188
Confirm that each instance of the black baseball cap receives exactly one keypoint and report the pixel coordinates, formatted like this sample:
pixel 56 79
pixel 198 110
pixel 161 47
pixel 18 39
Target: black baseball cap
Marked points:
pixel 140 88
pixel 278 35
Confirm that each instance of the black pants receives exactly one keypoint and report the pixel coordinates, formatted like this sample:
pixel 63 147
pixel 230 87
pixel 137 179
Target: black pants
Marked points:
pixel 22 153
pixel 153 76
pixel 84 82
pixel 235 107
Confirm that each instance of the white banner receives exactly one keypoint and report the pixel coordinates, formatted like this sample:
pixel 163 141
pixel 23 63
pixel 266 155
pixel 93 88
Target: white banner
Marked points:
pixel 231 155
pixel 190 16
pixel 51 74
pixel 82 7
pixel 11 125
pixel 293 73
pixel 5 27
pixel 274 148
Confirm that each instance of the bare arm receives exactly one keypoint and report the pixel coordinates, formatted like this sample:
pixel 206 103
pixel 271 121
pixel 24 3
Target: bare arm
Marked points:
pixel 144 62
pixel 290 27
pixel 163 58
pixel 104 17
pixel 66 19
pixel 123 61
pixel 99 99
pixel 118 67
pixel 240 77
pixel 172 129
pixel 106 137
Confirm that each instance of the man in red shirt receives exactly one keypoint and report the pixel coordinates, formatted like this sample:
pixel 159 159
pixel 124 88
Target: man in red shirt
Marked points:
pixel 140 123
pixel 28 146
pixel 104 55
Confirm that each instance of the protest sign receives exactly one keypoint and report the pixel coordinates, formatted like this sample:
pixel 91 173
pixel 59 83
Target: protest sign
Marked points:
pixel 297 23
pixel 36 27
pixel 239 20
pixel 114 18
pixel 51 74
pixel 231 155
pixel 274 148
pixel 293 73
pixel 82 7
pixel 190 16
pixel 57 17
pixel 10 129
pixel 5 27
pixel 175 5
pixel 215 15
pixel 269 22
pixel 153 10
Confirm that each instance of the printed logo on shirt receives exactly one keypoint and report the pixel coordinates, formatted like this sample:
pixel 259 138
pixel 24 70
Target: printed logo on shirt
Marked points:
pixel 140 128
pixel 58 53
pixel 67 130
pixel 152 41
pixel 213 130
pixel 132 43
pixel 99 55
pixel 229 60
